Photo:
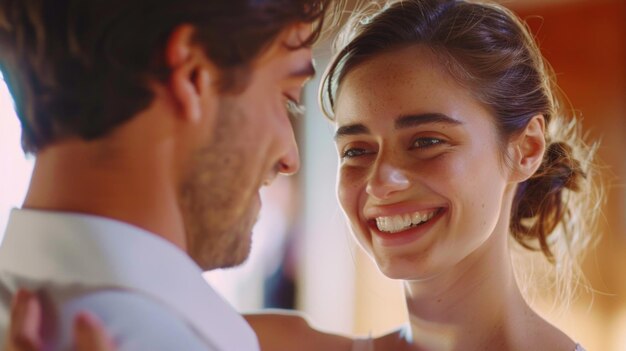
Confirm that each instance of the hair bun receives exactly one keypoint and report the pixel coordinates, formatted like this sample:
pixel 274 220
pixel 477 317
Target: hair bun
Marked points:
pixel 539 204
pixel 561 167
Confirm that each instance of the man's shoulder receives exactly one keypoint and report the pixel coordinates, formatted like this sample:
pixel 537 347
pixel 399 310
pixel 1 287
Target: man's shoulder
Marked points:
pixel 134 320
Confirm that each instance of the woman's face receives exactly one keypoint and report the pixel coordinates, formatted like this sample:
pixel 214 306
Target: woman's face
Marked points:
pixel 421 178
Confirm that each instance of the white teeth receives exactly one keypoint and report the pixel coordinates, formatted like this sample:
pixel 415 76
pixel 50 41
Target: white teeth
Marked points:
pixel 399 223
pixel 406 218
pixel 416 217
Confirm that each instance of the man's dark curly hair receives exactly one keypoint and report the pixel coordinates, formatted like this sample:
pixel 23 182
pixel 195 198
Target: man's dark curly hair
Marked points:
pixel 80 68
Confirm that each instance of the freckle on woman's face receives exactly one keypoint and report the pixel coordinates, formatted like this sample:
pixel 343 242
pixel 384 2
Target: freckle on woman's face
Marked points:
pixel 392 173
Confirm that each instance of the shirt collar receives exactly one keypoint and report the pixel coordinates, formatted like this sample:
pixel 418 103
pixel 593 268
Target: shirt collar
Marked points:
pixel 101 252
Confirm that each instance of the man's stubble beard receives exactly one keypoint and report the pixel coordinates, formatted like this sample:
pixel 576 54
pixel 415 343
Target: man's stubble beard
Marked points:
pixel 215 198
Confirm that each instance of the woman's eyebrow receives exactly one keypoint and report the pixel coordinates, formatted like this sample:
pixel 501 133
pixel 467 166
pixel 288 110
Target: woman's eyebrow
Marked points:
pixel 351 129
pixel 400 123
pixel 424 118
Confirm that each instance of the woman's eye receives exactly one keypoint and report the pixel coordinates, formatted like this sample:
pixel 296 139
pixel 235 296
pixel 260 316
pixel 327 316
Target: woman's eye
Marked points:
pixel 427 142
pixel 355 152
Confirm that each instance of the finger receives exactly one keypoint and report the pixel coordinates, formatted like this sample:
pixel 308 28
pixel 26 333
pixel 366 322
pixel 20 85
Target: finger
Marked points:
pixel 25 322
pixel 90 335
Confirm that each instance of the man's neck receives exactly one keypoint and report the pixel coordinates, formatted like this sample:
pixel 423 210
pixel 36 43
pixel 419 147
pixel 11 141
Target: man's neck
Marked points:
pixel 89 178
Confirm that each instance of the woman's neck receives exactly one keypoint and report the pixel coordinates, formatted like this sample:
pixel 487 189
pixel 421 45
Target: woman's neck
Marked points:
pixel 471 306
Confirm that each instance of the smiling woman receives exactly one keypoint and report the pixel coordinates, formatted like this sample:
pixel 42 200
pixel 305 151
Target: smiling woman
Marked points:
pixel 418 165
pixel 452 139
pixel 454 148
pixel 497 69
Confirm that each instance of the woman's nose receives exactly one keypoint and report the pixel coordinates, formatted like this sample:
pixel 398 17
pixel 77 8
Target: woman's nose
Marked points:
pixel 385 180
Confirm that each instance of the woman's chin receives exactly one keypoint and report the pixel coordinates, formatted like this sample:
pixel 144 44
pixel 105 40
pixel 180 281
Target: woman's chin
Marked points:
pixel 407 271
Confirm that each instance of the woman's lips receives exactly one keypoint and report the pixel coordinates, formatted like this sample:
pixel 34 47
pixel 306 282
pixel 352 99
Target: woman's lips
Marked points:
pixel 402 229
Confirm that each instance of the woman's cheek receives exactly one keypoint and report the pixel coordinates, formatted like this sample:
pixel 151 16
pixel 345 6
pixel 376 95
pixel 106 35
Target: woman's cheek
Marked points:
pixel 347 192
pixel 352 197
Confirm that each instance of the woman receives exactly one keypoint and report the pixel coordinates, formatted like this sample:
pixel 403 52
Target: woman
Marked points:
pixel 451 140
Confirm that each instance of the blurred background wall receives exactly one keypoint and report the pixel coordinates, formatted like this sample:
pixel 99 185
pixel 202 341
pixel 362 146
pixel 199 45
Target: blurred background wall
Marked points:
pixel 303 254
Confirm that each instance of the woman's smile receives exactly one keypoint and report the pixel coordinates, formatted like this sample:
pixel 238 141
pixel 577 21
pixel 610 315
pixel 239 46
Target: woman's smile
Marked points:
pixel 399 230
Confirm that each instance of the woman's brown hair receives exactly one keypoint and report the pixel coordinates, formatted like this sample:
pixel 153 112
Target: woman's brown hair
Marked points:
pixel 488 50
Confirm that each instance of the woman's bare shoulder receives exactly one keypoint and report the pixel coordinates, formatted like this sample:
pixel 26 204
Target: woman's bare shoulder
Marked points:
pixel 282 330
pixel 395 339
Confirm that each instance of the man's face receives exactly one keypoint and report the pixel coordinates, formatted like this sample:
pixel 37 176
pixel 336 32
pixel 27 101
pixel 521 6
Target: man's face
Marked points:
pixel 252 143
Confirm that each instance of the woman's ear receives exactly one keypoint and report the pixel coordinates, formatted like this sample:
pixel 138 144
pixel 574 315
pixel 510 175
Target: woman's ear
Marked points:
pixel 192 75
pixel 526 149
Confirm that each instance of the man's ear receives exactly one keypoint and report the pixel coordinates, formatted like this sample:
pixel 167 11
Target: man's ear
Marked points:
pixel 527 148
pixel 192 75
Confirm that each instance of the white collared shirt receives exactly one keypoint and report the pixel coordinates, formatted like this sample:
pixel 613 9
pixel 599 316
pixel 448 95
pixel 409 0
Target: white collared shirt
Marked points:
pixel 149 293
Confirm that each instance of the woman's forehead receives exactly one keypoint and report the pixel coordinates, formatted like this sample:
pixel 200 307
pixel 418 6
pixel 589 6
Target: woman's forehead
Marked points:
pixel 397 80
pixel 404 83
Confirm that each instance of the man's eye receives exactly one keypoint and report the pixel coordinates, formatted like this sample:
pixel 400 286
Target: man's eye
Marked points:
pixel 294 108
pixel 355 152
pixel 427 142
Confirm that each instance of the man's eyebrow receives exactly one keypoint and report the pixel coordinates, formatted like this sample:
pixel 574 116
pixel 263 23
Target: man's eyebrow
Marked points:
pixel 351 129
pixel 307 71
pixel 424 118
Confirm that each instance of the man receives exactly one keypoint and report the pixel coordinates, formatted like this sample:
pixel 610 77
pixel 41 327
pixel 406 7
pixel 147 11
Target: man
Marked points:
pixel 154 123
